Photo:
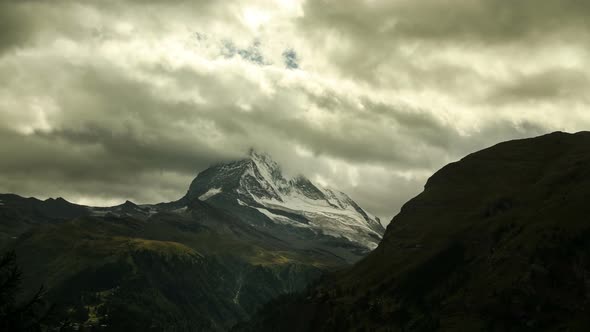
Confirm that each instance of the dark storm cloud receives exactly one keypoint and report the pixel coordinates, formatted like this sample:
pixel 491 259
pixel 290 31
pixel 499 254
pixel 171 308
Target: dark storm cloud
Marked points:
pixel 402 43
pixel 27 22
pixel 112 130
pixel 549 85
pixel 480 21
pixel 15 29
pixel 24 23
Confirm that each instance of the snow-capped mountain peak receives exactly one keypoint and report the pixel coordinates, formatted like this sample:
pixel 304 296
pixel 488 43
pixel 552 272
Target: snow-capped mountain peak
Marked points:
pixel 258 183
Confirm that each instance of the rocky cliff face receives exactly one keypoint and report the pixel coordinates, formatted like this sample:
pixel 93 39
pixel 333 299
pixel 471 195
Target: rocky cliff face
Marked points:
pixel 497 241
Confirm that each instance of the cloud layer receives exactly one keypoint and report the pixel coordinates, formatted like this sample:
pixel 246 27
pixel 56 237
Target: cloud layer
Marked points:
pixel 103 101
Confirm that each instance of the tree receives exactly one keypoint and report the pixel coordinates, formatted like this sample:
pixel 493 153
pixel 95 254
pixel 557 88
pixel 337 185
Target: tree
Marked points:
pixel 14 316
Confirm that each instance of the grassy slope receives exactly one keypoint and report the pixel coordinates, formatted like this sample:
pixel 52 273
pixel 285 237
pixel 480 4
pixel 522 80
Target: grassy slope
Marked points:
pixel 162 274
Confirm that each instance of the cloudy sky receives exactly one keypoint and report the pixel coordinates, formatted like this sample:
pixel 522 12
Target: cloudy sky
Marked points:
pixel 102 101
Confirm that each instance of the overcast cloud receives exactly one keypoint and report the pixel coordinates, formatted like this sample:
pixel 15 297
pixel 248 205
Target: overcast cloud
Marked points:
pixel 103 101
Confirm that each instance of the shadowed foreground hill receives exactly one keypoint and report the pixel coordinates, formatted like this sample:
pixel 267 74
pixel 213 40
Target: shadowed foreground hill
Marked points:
pixel 499 241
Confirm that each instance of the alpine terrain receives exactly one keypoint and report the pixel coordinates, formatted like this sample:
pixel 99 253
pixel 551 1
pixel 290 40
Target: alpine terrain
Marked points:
pixel 242 235
pixel 295 210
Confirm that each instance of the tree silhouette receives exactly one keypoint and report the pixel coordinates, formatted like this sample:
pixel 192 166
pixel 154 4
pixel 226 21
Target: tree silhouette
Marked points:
pixel 14 316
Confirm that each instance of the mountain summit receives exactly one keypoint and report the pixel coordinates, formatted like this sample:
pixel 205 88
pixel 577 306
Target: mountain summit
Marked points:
pixel 256 187
pixel 294 212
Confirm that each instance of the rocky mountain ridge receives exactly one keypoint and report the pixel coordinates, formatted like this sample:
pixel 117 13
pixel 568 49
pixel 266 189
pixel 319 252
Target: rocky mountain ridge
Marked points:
pixel 257 182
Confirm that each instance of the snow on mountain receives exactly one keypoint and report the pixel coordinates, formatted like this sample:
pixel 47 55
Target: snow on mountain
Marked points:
pixel 210 193
pixel 255 190
pixel 257 182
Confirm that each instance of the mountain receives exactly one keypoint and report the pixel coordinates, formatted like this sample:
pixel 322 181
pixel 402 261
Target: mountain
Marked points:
pixel 255 187
pixel 18 214
pixel 498 241
pixel 242 235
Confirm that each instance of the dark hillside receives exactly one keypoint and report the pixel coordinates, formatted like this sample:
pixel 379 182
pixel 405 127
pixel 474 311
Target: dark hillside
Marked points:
pixel 499 241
